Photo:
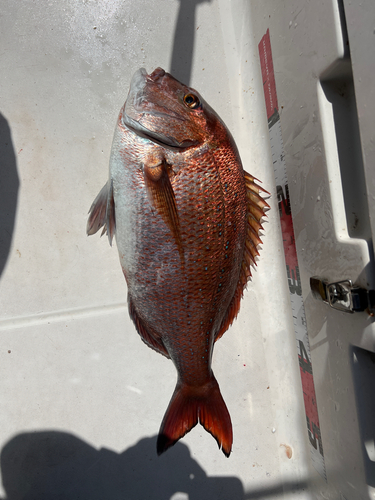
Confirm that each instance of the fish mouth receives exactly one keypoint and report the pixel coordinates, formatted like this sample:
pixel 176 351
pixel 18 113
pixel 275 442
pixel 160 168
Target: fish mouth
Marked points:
pixel 135 111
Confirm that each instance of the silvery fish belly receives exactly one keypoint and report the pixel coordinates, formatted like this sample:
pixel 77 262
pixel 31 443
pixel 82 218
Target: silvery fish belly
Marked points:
pixel 186 218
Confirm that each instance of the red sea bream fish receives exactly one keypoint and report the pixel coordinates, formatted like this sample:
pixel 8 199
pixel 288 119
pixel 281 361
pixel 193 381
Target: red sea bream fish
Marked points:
pixel 186 218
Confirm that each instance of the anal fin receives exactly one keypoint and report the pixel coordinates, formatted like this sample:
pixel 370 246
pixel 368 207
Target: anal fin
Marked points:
pixel 152 340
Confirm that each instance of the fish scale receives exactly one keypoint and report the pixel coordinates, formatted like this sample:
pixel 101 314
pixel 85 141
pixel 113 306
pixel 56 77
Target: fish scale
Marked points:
pixel 186 218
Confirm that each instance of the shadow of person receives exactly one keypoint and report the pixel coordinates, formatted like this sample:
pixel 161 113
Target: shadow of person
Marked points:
pixel 56 465
pixel 9 184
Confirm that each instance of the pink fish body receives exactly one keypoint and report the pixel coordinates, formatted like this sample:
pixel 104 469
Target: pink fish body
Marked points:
pixel 186 218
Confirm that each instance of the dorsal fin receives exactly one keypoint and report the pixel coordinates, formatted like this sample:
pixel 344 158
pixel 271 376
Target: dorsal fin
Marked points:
pixel 256 206
pixel 102 213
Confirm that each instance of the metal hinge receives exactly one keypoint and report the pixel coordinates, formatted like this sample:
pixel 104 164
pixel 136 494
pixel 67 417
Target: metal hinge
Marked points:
pixel 343 295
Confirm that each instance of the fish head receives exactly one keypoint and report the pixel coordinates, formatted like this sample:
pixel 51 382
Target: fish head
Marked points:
pixel 167 112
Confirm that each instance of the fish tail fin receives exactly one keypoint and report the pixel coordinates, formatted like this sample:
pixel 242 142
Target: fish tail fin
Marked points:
pixel 190 405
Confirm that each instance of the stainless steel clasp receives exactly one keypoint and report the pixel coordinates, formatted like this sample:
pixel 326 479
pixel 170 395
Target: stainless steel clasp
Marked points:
pixel 343 295
pixel 340 296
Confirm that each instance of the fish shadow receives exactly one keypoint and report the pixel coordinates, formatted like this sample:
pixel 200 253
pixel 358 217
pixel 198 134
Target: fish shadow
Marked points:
pixel 9 185
pixel 52 465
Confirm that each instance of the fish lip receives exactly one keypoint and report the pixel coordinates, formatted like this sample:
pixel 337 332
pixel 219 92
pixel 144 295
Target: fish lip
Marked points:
pixel 138 79
pixel 138 82
pixel 155 75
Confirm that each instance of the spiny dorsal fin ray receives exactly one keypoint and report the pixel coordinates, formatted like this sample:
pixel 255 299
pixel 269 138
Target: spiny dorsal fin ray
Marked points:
pixel 252 185
pixel 102 213
pixel 256 199
pixel 256 206
pixel 254 223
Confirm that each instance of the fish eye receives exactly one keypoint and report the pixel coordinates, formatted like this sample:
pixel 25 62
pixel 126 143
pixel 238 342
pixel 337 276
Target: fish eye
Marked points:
pixel 191 101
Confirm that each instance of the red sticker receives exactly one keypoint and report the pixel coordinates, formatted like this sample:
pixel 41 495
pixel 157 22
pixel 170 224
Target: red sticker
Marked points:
pixel 268 75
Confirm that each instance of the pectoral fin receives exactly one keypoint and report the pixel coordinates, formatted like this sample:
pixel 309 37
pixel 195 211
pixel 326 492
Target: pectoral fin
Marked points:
pixel 102 213
pixel 162 198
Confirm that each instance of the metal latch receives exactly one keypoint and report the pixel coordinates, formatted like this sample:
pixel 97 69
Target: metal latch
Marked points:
pixel 343 295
